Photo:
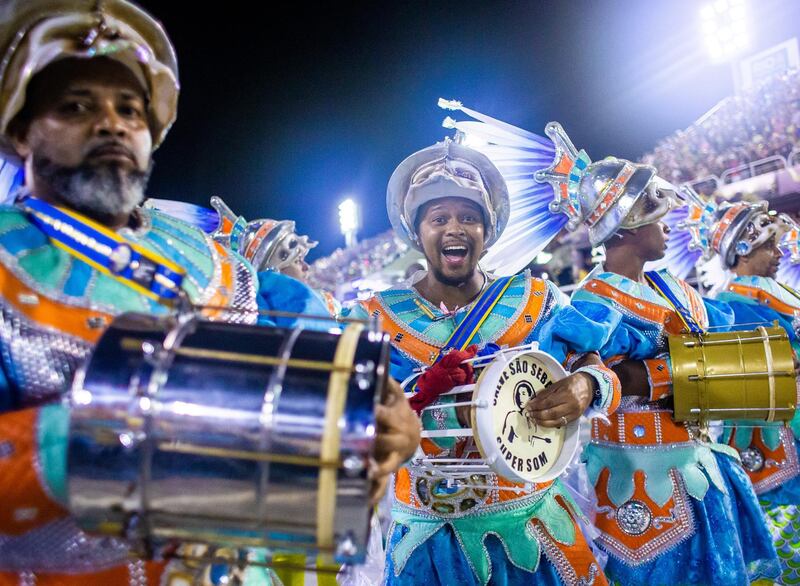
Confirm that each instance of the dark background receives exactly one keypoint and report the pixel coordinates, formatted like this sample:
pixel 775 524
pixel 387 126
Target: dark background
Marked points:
pixel 287 108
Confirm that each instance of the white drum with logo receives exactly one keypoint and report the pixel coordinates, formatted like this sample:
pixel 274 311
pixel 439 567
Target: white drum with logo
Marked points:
pixel 508 443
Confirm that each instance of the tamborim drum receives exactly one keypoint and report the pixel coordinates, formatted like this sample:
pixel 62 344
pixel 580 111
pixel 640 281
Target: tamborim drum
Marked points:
pixel 733 375
pixel 231 435
pixel 505 441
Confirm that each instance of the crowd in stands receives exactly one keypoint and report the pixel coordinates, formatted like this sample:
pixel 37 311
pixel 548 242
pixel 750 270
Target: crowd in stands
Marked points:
pixel 742 129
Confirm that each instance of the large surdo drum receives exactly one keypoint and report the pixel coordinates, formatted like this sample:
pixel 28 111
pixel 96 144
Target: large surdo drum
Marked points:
pixel 231 435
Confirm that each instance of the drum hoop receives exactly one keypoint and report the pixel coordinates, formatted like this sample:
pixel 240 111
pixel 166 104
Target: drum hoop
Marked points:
pixel 476 436
pixel 338 384
pixel 269 405
pixel 158 376
pixel 770 369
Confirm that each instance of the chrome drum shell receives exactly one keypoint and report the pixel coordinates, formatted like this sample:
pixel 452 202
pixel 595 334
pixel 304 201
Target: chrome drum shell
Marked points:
pixel 226 434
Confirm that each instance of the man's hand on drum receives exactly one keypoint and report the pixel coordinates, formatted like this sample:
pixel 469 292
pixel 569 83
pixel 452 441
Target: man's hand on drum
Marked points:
pixel 563 401
pixel 398 437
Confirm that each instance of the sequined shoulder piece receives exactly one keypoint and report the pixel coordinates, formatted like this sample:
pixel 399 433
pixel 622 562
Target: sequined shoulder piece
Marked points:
pixel 419 328
pixel 399 314
pixel 763 291
pixel 639 303
pixel 216 276
pixel 30 260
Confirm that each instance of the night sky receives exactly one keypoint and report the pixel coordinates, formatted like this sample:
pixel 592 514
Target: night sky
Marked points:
pixel 285 115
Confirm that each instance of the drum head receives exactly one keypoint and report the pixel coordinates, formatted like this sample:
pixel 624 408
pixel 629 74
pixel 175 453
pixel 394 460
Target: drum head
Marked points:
pixel 514 447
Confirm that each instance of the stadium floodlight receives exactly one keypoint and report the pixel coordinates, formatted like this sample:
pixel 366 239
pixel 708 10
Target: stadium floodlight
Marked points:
pixel 349 221
pixel 724 27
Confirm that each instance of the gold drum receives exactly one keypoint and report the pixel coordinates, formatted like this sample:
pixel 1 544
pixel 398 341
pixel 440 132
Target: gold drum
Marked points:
pixel 733 375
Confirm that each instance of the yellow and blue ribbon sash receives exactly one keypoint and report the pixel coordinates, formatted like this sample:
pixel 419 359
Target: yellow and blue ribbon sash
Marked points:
pixel 463 334
pixel 791 291
pixel 662 288
pixel 129 263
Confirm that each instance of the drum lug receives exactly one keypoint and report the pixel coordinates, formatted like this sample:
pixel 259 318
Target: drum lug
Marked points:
pixel 130 439
pixel 154 354
pixel 353 466
pixel 365 375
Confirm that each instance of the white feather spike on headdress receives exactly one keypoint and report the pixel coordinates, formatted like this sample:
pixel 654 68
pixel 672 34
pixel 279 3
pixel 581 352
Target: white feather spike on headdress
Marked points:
pixel 689 227
pixel 712 275
pixel 497 124
pixel 12 178
pixel 518 155
pixel 204 218
pixel 678 259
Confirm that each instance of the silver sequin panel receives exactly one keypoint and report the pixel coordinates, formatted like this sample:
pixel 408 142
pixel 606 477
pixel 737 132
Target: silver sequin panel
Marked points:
pixel 58 547
pixel 40 360
pixel 244 296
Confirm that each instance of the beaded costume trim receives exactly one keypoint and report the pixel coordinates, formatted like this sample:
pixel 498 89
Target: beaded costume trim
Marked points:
pixel 635 517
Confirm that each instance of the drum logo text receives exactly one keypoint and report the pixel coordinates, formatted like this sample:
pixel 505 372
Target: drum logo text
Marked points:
pixel 522 367
pixel 520 442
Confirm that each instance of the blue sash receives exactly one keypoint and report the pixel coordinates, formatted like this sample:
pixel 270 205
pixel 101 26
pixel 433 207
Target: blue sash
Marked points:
pixel 465 332
pixel 133 265
pixel 662 288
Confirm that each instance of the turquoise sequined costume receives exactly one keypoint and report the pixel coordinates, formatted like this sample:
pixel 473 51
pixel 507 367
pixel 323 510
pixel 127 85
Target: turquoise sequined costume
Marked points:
pixel 673 507
pixel 53 307
pixel 769 452
pixel 483 535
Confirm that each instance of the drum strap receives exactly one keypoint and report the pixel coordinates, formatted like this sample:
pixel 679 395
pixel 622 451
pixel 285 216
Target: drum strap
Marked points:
pixel 661 287
pixel 791 291
pixel 465 332
pixel 131 264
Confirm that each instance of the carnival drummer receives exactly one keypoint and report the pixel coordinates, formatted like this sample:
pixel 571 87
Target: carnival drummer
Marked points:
pixel 87 91
pixel 451 203
pixel 745 240
pixel 672 506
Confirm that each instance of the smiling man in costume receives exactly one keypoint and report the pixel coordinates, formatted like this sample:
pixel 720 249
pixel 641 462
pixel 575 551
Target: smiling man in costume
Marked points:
pixel 451 203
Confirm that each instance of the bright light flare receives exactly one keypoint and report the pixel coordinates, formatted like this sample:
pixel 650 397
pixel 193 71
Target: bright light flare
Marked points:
pixel 348 216
pixel 724 26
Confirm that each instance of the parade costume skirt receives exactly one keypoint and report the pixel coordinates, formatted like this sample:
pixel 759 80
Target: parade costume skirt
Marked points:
pixel 709 556
pixel 782 509
pixel 440 560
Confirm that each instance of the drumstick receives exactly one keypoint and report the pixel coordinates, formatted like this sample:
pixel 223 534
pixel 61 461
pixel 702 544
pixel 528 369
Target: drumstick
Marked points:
pixel 488 357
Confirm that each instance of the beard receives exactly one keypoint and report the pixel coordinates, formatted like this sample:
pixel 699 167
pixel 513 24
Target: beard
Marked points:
pixel 103 191
pixel 452 281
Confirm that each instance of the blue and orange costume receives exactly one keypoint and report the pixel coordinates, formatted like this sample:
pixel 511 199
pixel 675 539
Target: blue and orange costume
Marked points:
pixel 54 308
pixel 673 507
pixel 479 529
pixel 769 451
pixel 63 279
pixel 486 535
